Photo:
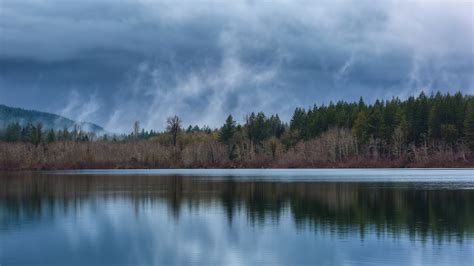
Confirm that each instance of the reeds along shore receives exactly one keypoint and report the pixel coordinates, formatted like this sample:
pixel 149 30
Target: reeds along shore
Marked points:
pixel 335 148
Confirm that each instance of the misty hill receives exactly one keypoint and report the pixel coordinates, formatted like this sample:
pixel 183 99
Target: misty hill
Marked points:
pixel 10 115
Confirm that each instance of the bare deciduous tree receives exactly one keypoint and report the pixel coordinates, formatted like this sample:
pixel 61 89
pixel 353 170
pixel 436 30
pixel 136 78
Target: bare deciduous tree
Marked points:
pixel 174 127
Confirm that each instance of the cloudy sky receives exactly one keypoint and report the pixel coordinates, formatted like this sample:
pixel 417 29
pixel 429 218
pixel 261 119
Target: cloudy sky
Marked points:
pixel 116 61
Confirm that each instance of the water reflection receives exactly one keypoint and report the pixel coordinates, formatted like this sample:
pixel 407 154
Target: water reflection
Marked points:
pixel 143 209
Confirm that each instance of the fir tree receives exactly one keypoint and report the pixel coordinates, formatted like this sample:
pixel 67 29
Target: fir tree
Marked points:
pixel 469 124
pixel 227 131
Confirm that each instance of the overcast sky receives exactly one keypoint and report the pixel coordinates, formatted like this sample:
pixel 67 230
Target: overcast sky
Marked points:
pixel 116 61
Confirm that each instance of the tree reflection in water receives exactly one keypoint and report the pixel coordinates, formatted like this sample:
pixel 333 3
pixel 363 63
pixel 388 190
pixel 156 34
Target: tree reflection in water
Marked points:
pixel 393 209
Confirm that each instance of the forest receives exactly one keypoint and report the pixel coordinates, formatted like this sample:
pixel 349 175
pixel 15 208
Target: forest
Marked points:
pixel 421 131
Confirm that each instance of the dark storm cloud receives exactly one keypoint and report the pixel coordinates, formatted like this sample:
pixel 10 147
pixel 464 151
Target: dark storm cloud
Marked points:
pixel 114 62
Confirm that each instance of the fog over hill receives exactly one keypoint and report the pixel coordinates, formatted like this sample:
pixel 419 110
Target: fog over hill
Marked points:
pixel 9 115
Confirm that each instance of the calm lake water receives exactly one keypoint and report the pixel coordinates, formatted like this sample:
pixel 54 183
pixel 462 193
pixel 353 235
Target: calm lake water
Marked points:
pixel 238 217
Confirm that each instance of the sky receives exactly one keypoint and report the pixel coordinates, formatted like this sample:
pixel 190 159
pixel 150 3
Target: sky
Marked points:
pixel 113 62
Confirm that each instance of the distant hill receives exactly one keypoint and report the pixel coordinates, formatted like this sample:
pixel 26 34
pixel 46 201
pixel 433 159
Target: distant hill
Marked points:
pixel 10 115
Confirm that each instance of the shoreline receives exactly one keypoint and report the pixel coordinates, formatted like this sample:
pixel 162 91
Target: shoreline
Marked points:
pixel 205 155
pixel 348 165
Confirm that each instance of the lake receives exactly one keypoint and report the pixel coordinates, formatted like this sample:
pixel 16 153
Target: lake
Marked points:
pixel 238 217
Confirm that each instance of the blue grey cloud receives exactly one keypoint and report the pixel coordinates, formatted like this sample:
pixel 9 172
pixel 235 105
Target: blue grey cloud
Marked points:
pixel 113 62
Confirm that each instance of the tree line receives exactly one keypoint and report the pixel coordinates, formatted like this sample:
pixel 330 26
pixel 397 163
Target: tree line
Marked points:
pixel 391 124
pixel 417 131
pixel 36 134
pixel 394 125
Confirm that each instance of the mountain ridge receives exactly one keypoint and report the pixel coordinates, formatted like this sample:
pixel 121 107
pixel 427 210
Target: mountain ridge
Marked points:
pixel 9 115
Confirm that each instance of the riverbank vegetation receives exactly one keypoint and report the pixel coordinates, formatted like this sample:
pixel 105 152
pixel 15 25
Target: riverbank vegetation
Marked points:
pixel 422 131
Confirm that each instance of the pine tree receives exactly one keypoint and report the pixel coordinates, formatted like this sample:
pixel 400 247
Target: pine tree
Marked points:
pixel 13 132
pixel 66 135
pixel 375 121
pixel 299 123
pixel 227 131
pixel 449 133
pixel 51 137
pixel 189 129
pixel 360 128
pixel 434 123
pixel 36 134
pixel 261 128
pixel 26 132
pixel 469 124
pixel 420 123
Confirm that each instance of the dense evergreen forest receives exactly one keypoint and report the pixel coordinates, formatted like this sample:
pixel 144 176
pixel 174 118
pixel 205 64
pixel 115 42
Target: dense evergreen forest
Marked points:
pixel 434 131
